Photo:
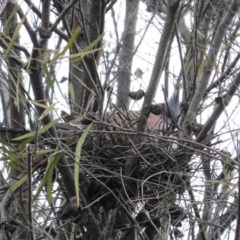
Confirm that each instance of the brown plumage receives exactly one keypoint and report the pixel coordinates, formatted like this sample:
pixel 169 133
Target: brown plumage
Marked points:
pixel 129 120
pixel 122 119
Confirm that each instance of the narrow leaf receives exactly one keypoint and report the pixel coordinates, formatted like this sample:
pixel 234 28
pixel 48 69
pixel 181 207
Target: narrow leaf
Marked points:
pixel 50 181
pixel 77 161
pixel 14 37
pixel 71 92
pixel 47 178
pixel 76 57
pixel 92 44
pixel 47 111
pixel 68 46
pixel 40 131
pixel 19 183
pixel 16 99
pixel 45 151
pixel 49 79
pixel 38 104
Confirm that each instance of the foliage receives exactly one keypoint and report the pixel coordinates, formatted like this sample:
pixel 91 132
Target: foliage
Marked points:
pixel 119 127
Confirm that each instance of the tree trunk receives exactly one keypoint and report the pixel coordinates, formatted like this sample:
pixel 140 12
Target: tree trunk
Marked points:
pixel 126 53
pixel 83 75
pixel 12 84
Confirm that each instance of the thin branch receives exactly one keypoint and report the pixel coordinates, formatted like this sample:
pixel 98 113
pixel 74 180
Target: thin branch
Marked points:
pixel 196 211
pixel 39 14
pixel 97 83
pixel 229 215
pixel 159 63
pixel 111 4
pixel 126 53
pixel 62 15
pixel 219 109
pixel 31 32
pixel 223 76
pixel 211 61
pixel 29 164
pixel 5 40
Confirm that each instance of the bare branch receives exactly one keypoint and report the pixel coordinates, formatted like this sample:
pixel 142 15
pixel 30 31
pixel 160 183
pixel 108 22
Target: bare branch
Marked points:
pixel 126 54
pixel 210 63
pixel 219 109
pixel 159 62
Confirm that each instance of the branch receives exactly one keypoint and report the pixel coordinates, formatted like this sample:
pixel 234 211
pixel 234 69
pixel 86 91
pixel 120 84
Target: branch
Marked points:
pixel 159 63
pixel 226 219
pixel 223 76
pixel 31 32
pixel 211 61
pixel 39 14
pixel 126 54
pixel 44 29
pixel 5 41
pixel 37 85
pixel 61 15
pixel 219 109
pixel 196 211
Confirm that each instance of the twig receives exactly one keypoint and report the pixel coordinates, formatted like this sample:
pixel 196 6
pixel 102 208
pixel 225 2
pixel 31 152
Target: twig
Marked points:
pixel 219 109
pixel 30 151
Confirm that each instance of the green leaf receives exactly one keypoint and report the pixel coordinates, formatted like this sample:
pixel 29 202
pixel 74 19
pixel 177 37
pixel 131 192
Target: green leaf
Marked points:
pixel 47 178
pixel 26 141
pixel 77 161
pixel 49 79
pixel 71 92
pixel 92 44
pixel 68 46
pixel 5 143
pixel 44 151
pixel 16 99
pixel 19 183
pixel 76 57
pixel 44 106
pixel 40 131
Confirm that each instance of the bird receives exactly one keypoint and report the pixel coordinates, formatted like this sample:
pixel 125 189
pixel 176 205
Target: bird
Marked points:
pixel 158 109
pixel 137 95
